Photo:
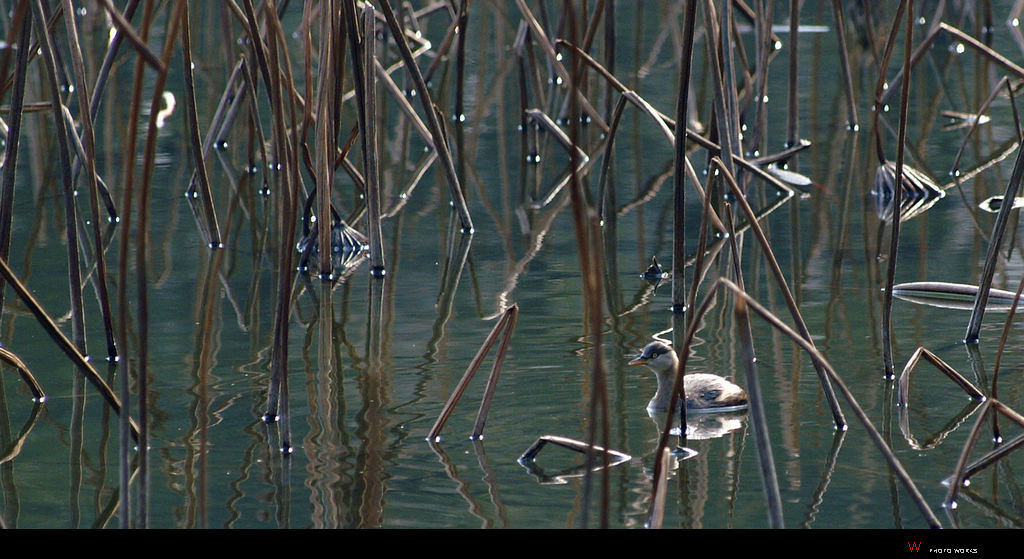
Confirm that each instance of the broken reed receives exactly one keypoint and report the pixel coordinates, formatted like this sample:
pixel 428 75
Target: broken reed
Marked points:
pixel 504 329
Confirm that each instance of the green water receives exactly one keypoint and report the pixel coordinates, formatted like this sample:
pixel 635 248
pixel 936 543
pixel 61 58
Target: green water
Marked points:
pixel 363 399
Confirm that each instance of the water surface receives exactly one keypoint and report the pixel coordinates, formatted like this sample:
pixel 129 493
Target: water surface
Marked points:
pixel 363 400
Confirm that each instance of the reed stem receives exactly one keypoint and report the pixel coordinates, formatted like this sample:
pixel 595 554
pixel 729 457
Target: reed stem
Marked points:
pixel 679 163
pixel 894 240
pixel 370 156
pixel 10 162
pixel 454 187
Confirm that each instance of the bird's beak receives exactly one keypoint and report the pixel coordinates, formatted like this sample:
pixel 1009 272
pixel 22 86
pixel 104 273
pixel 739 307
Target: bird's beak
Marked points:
pixel 637 361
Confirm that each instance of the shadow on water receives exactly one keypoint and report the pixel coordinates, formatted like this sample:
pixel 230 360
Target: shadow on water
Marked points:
pixel 387 196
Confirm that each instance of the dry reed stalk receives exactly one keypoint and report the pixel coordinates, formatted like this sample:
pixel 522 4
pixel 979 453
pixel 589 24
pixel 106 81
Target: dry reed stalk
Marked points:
pixel 357 46
pixel 606 194
pixel 959 477
pixel 88 133
pixel 588 245
pixel 1016 113
pixel 369 136
pixel 608 197
pixel 548 48
pixel 455 189
pixel 587 43
pixel 260 139
pixel 818 358
pixel 873 434
pixel 660 120
pixel 894 240
pixel 256 39
pixel 758 417
pixel 992 256
pixel 1004 82
pixel 287 149
pixel 656 516
pixel 792 100
pixel 851 105
pixel 968 40
pixel 10 162
pixel 766 459
pixel 15 444
pixel 79 154
pixel 1003 337
pixel 443 49
pixel 15 20
pixel 881 83
pixel 232 100
pixel 462 24
pixel 281 163
pixel 579 162
pixel 718 56
pixel 765 50
pixel 129 154
pixel 698 264
pixel 99 84
pixel 209 228
pixel 572 444
pixel 63 343
pixel 680 164
pixel 544 121
pixel 403 102
pixel 325 132
pixel 403 197
pixel 609 50
pixel 49 59
pixel 502 326
pixel 492 380
pixel 942 366
pixel 9 357
pixel 668 125
pixel 36 48
pixel 142 256
pixel 780 280
pixel 125 30
pixel 990 457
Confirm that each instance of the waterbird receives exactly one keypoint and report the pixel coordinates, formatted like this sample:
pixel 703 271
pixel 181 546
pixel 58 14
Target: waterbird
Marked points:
pixel 705 392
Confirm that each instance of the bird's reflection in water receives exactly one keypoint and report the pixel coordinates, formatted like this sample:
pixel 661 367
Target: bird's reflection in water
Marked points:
pixel 703 426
